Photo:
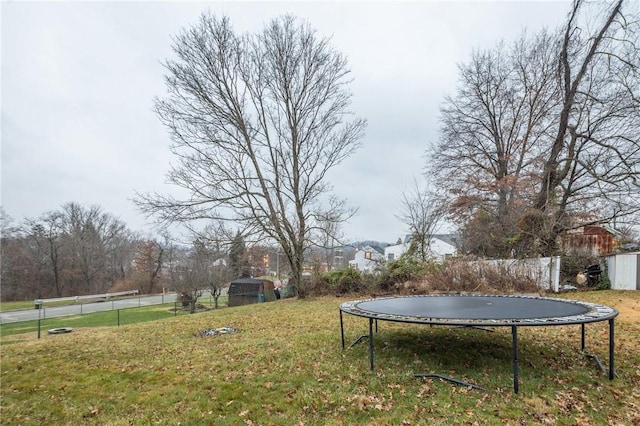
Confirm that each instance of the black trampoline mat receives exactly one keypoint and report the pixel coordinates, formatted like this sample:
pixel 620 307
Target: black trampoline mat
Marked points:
pixel 486 309
pixel 473 307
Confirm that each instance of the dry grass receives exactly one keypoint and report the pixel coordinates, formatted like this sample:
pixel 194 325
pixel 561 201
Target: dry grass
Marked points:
pixel 473 277
pixel 285 366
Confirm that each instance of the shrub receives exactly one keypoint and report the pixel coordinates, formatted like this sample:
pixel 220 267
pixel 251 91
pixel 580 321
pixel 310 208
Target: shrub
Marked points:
pixel 343 281
pixel 406 268
pixel 336 282
pixel 479 276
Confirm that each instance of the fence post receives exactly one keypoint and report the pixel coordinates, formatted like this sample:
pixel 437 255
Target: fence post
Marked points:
pixel 118 317
pixel 38 328
pixel 175 309
pixel 555 273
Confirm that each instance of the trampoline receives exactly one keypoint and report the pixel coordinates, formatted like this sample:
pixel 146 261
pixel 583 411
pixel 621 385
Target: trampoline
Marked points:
pixel 481 311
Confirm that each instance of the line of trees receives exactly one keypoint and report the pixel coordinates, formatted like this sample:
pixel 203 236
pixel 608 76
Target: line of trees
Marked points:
pixel 539 138
pixel 74 250
pixel 80 250
pixel 541 135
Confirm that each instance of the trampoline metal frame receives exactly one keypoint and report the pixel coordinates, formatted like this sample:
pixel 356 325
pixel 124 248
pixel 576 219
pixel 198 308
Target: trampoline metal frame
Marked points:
pixel 596 313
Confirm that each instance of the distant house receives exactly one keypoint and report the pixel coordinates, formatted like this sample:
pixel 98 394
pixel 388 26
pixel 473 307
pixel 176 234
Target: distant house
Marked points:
pixel 441 246
pixel 367 259
pixel 394 252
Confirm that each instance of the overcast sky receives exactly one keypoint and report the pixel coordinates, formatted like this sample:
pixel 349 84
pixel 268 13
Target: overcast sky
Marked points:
pixel 79 78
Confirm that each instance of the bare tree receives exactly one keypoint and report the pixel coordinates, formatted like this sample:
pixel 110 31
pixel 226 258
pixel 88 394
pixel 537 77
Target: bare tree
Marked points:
pixel 257 121
pixel 221 276
pixel 20 275
pixel 7 228
pixel 491 127
pixel 422 212
pixel 149 262
pixel 491 136
pixel 592 165
pixel 227 259
pixel 93 236
pixel 328 238
pixel 120 247
pixel 540 137
pixel 192 272
pixel 78 250
pixel 48 248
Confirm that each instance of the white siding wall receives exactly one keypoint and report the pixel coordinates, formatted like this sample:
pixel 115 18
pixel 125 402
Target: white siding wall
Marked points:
pixel 440 250
pixel 624 271
pixel 396 251
pixel 362 264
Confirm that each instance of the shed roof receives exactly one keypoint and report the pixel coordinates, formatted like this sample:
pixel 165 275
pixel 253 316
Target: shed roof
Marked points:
pixel 247 281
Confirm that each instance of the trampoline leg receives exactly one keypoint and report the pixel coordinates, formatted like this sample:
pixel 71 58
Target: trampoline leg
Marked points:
pixel 514 333
pixel 371 343
pixel 611 349
pixel 450 379
pixel 582 339
pixel 341 330
pixel 358 340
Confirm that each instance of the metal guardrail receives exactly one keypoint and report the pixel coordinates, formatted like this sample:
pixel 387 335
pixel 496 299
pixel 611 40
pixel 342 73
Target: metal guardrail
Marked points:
pixel 106 296
pixel 43 312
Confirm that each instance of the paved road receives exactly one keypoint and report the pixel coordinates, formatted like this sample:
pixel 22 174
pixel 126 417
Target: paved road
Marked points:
pixel 62 311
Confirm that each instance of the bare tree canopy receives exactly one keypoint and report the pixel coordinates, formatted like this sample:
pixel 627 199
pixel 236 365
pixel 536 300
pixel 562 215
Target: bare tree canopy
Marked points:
pixel 74 250
pixel 191 273
pixel 422 212
pixel 257 121
pixel 541 136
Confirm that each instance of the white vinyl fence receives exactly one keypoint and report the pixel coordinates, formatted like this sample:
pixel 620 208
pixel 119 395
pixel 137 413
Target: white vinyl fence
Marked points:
pixel 544 270
pixel 623 270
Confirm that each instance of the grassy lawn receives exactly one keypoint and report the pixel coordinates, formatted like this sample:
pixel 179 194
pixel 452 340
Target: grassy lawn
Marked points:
pixel 14 306
pixel 25 330
pixel 106 318
pixel 285 366
pixel 29 304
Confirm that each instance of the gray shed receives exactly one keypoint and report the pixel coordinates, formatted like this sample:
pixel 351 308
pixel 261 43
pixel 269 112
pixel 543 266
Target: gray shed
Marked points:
pixel 245 291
